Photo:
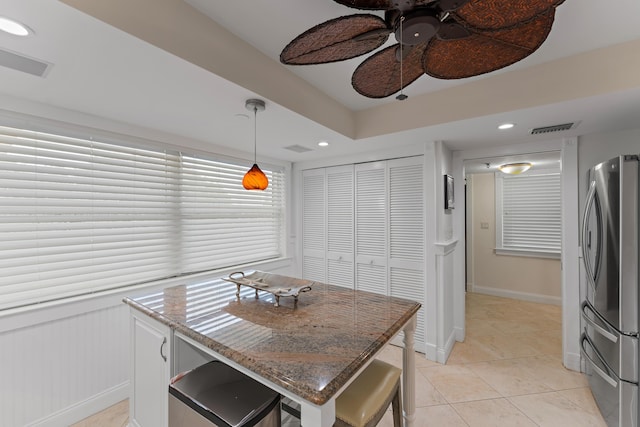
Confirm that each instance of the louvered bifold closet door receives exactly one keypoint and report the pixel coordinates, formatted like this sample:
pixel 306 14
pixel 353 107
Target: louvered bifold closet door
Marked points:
pixel 406 235
pixel 340 226
pixel 371 227
pixel 314 225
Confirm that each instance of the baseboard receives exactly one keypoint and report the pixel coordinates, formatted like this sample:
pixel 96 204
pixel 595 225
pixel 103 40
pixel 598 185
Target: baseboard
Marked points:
pixel 431 352
pixel 443 353
pixel 573 361
pixel 525 296
pixel 81 410
pixel 459 333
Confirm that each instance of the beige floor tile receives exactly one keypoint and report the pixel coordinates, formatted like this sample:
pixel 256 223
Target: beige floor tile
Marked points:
pixel 555 410
pixel 545 342
pixel 512 327
pixel 509 378
pixel 505 347
pixel 551 372
pixel 476 328
pixel 431 416
pixel 470 351
pixel 583 398
pixel 492 413
pixel 114 416
pixel 459 383
pixel 426 393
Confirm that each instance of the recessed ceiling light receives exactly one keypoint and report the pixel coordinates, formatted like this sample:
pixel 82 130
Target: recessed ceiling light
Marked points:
pixel 506 126
pixel 12 27
pixel 323 144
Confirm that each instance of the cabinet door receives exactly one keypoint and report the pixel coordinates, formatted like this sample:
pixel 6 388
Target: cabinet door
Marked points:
pixel 371 227
pixel 313 225
pixel 150 373
pixel 340 225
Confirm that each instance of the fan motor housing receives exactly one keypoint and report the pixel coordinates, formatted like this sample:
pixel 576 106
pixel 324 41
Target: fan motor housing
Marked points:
pixel 417 26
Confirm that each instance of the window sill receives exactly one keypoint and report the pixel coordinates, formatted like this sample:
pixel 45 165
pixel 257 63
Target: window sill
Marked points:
pixel 529 253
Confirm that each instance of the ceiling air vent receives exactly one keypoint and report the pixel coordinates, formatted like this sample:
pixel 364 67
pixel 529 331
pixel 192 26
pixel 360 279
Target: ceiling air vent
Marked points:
pixel 298 148
pixel 22 63
pixel 554 128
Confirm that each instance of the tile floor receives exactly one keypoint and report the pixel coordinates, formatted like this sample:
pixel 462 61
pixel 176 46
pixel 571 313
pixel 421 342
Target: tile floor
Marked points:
pixel 508 372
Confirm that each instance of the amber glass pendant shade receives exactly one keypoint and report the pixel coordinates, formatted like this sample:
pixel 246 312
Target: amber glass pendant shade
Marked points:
pixel 255 179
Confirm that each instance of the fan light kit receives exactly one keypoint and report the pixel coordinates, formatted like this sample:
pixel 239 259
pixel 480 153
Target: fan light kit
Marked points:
pixel 13 27
pixel 255 179
pixel 446 39
pixel 515 168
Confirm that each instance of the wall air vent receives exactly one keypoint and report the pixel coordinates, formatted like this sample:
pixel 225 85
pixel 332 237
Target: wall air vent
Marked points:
pixel 298 148
pixel 20 62
pixel 554 128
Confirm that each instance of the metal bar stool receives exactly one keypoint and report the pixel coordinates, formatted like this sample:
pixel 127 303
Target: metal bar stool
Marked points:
pixel 365 401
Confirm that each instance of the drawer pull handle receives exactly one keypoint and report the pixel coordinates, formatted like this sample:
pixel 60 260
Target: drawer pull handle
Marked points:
pixel 164 341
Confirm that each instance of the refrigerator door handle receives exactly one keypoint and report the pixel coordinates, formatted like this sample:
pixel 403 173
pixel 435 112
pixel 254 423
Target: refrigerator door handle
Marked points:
pixel 586 237
pixel 597 369
pixel 609 333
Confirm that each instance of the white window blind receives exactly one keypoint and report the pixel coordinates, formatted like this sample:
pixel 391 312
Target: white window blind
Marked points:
pixel 80 216
pixel 529 210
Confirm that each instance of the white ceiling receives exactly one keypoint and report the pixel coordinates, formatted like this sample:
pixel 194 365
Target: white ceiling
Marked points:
pixel 102 71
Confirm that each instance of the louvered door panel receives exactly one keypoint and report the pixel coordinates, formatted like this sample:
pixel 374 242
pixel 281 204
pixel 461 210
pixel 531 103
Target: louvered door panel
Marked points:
pixel 340 210
pixel 406 236
pixel 340 220
pixel 340 273
pixel 371 227
pixel 406 210
pixel 313 225
pixel 409 284
pixel 372 278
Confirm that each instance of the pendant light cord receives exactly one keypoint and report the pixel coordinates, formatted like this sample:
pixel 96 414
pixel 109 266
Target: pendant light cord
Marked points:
pixel 255 133
pixel 401 55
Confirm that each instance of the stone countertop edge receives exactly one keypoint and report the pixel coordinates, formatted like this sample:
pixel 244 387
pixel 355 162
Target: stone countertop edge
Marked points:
pixel 317 398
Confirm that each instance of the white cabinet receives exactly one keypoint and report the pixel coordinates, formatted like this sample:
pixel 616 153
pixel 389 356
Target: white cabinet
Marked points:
pixel 150 372
pixel 364 226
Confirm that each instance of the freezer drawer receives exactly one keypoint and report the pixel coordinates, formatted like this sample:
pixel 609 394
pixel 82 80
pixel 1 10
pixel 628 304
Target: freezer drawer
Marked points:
pixel 620 351
pixel 617 399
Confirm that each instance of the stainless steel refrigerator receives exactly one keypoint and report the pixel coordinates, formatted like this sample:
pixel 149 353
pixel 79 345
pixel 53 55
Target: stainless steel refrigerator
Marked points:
pixel 609 342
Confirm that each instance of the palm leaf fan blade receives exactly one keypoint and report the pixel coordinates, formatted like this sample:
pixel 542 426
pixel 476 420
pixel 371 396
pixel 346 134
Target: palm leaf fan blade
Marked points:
pixel 379 75
pixel 486 51
pixel 501 14
pixel 336 40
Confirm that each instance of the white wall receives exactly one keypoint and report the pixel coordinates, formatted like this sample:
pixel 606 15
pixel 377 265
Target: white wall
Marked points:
pixel 529 278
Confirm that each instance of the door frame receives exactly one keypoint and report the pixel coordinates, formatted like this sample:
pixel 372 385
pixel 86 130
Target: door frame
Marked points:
pixel 570 241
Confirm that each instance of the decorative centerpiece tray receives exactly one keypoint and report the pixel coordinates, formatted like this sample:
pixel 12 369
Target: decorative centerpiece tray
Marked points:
pixel 279 286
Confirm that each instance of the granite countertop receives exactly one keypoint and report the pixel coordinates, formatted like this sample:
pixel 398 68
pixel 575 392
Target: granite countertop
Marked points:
pixel 310 348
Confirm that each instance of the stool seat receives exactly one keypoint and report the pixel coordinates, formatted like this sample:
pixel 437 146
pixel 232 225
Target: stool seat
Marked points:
pixel 365 401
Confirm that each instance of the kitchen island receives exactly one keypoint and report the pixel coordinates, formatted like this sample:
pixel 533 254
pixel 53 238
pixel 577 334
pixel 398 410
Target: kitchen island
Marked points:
pixel 308 350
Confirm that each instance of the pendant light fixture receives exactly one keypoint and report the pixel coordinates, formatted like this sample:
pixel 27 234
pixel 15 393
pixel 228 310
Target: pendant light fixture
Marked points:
pixel 255 179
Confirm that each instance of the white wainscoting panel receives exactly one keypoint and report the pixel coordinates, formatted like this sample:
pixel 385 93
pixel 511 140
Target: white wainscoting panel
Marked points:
pixel 51 372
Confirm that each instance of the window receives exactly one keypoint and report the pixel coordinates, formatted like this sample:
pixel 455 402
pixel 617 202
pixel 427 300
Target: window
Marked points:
pixel 528 214
pixel 79 216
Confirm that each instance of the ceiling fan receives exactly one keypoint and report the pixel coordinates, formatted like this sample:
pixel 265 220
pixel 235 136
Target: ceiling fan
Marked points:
pixel 446 39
